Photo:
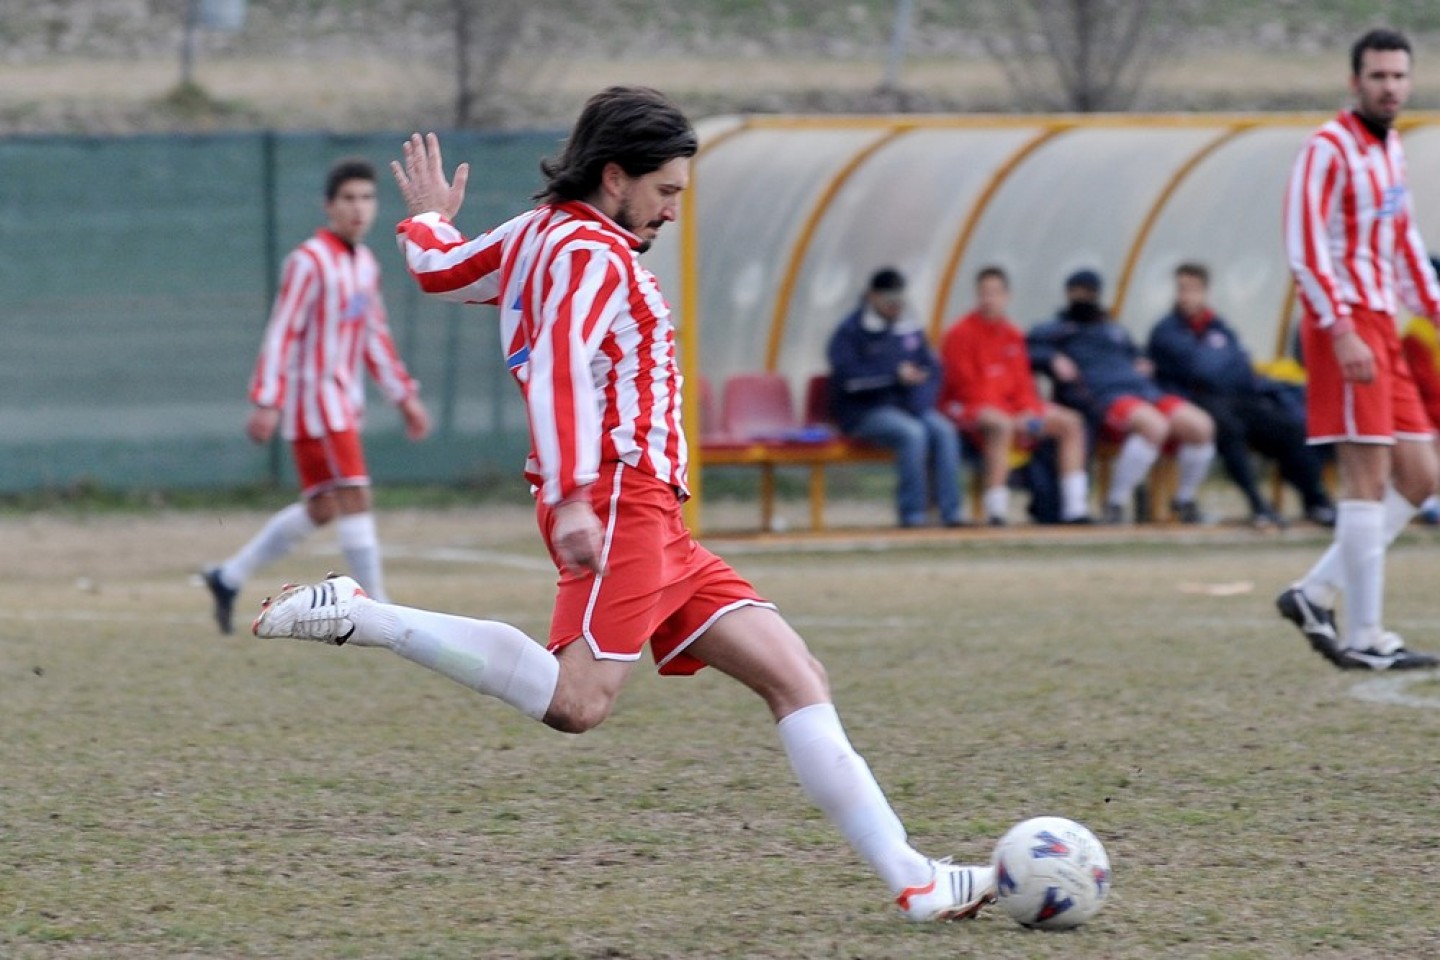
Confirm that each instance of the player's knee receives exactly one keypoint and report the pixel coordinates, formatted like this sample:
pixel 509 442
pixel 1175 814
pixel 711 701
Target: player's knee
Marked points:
pixel 1067 423
pixel 576 716
pixel 1204 428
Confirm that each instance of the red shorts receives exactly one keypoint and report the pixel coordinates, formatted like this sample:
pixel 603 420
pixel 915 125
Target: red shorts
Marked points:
pixel 1117 415
pixel 660 586
pixel 1384 410
pixel 334 460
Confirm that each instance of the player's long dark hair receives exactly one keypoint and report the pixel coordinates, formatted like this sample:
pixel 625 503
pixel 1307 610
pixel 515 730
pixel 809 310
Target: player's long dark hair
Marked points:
pixel 636 127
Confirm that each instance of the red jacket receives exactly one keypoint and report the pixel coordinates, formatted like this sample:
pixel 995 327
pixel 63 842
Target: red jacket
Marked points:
pixel 985 364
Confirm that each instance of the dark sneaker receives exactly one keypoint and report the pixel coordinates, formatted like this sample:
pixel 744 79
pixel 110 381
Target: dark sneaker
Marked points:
pixel 1322 514
pixel 1317 623
pixel 997 522
pixel 1393 657
pixel 224 598
pixel 1114 514
pixel 1186 511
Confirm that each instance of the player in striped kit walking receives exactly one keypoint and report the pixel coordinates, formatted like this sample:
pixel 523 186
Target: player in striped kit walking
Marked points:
pixel 1355 252
pixel 328 321
pixel 591 345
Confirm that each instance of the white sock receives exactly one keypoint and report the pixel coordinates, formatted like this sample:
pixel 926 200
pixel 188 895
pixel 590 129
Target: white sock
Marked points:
pixel 996 502
pixel 1321 585
pixel 1194 461
pixel 277 538
pixel 1360 536
pixel 839 782
pixel 1074 495
pixel 361 546
pixel 487 656
pixel 1132 465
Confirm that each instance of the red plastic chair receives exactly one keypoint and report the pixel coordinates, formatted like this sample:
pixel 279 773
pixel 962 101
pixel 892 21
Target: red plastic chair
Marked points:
pixel 757 406
pixel 817 401
pixel 709 415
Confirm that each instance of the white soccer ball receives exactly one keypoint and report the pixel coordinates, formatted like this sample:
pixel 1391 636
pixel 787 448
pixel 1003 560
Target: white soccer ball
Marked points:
pixel 1051 873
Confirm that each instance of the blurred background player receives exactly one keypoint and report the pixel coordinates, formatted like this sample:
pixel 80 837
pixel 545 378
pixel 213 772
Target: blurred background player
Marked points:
pixel 327 321
pixel 884 381
pixel 1355 251
pixel 1198 356
pixel 1098 370
pixel 989 392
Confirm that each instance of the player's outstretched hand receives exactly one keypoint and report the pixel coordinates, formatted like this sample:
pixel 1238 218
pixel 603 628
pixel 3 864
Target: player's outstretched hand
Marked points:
pixel 262 423
pixel 422 181
pixel 577 537
pixel 417 418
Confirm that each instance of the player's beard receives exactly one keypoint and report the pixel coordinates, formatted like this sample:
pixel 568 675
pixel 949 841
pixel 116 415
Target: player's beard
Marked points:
pixel 626 218
pixel 1379 113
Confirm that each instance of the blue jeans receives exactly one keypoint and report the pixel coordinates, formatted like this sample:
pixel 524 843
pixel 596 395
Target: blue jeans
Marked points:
pixel 927 444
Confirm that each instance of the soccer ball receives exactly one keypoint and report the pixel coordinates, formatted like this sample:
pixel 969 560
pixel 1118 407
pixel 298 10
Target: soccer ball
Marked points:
pixel 1051 873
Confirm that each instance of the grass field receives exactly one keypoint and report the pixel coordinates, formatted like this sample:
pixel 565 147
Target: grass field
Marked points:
pixel 169 793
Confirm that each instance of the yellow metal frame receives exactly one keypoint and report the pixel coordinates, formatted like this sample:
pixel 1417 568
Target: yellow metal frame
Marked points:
pixel 689 331
pixel 781 312
pixel 972 220
pixel 1162 200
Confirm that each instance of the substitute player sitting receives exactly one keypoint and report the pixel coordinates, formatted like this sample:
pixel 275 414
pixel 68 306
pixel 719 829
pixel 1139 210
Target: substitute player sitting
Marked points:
pixel 1098 370
pixel 327 321
pixel 988 391
pixel 592 347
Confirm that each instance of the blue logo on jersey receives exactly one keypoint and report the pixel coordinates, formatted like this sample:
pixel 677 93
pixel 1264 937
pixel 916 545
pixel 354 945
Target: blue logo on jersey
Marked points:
pixel 1049 846
pixel 1054 905
pixel 357 307
pixel 517 359
pixel 1392 201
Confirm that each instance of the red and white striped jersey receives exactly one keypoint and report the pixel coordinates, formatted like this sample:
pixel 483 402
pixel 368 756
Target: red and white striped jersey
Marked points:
pixel 328 318
pixel 586 334
pixel 1349 227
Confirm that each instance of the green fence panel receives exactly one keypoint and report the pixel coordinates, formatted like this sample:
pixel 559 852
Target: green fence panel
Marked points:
pixel 137 279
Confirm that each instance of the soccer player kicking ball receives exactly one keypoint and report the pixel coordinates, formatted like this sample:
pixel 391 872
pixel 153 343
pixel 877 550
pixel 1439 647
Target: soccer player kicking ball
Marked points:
pixel 590 343
pixel 1355 250
pixel 328 319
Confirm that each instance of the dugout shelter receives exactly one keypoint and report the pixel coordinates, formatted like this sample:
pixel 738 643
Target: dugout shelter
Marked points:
pixel 787 216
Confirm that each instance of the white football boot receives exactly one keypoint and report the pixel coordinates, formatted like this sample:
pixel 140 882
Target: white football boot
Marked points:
pixel 319 612
pixel 954 892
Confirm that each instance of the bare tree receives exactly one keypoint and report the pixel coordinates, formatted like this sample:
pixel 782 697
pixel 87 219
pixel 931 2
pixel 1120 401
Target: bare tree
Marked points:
pixel 488 36
pixel 1082 55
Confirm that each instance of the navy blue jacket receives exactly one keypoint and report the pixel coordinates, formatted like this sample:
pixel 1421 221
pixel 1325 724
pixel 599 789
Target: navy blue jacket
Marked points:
pixel 1191 362
pixel 864 364
pixel 1212 362
pixel 1104 354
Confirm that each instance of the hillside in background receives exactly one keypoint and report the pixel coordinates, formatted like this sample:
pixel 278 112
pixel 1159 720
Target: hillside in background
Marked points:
pixel 110 66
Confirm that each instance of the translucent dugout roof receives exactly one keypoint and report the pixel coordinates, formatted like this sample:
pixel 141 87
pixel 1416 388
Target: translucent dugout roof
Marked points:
pixel 790 215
